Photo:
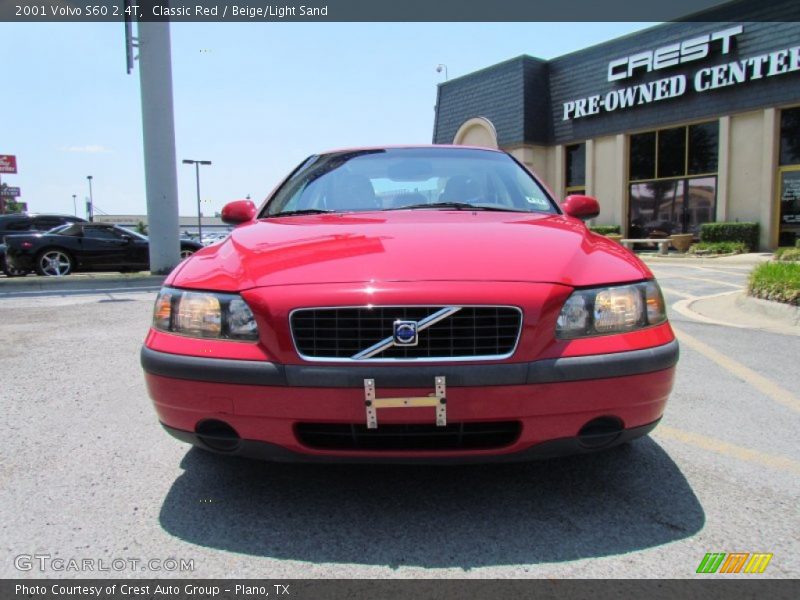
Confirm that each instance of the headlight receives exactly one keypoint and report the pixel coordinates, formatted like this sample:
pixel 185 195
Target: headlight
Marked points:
pixel 204 315
pixel 616 309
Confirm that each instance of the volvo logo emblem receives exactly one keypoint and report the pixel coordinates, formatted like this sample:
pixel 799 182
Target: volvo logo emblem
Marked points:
pixel 405 333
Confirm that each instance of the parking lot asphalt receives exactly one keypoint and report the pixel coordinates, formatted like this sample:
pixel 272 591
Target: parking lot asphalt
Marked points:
pixel 87 473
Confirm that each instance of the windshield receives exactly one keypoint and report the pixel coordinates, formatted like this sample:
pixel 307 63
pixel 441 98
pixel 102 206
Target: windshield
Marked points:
pixel 410 179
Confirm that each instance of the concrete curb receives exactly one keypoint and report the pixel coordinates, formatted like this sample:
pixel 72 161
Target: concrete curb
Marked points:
pixel 737 309
pixel 751 259
pixel 770 309
pixel 72 283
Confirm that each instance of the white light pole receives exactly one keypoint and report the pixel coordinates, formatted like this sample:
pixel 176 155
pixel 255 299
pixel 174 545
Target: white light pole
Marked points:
pixel 74 205
pixel 441 67
pixel 197 164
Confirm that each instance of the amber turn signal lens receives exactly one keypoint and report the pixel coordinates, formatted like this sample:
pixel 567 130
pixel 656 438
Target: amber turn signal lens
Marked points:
pixel 163 310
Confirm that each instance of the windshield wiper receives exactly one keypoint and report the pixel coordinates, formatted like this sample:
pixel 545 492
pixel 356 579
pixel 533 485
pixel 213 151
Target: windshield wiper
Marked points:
pixel 305 211
pixel 456 206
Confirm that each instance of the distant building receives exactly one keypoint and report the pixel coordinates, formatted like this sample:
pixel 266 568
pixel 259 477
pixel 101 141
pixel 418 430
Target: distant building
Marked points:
pixel 186 224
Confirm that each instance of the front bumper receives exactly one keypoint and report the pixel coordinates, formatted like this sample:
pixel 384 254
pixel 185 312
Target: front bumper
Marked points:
pixel 552 400
pixel 248 372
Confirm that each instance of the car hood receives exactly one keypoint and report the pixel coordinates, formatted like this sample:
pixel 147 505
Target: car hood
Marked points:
pixel 416 245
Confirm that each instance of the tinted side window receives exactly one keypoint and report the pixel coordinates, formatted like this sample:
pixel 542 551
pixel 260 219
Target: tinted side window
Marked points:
pixel 102 233
pixel 46 223
pixel 16 225
pixel 72 230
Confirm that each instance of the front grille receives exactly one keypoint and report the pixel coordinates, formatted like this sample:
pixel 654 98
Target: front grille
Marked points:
pixel 341 333
pixel 454 436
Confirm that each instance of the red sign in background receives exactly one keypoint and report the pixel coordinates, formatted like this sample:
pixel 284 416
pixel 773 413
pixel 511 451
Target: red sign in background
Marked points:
pixel 8 163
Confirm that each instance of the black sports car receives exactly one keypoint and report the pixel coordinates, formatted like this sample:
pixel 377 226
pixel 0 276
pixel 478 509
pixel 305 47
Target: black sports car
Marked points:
pixel 23 223
pixel 83 247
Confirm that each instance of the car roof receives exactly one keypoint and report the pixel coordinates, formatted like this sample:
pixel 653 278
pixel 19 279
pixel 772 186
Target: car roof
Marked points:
pixel 412 147
pixel 34 215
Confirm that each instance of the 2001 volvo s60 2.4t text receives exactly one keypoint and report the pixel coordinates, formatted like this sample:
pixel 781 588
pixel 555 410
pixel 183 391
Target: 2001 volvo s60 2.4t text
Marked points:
pixel 402 304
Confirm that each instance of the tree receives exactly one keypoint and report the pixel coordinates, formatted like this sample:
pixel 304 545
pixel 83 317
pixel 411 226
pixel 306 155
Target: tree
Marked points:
pixel 141 228
pixel 10 206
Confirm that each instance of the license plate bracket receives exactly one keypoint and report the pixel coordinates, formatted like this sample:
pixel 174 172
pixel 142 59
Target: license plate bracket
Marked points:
pixel 437 400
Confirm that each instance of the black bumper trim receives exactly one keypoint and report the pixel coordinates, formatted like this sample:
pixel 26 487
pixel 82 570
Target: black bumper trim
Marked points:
pixel 545 450
pixel 573 368
pixel 213 370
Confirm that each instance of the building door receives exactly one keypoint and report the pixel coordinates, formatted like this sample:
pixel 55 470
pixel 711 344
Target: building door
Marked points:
pixel 789 177
pixel 789 197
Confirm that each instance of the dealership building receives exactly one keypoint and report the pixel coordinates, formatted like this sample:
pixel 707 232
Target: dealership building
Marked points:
pixel 671 127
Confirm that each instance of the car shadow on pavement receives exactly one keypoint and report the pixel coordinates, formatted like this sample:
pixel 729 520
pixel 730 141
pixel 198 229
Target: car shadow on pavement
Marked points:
pixel 624 499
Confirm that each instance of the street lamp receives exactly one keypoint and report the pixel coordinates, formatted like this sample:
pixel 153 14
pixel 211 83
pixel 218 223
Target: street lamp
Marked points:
pixel 91 199
pixel 197 164
pixel 74 205
pixel 441 67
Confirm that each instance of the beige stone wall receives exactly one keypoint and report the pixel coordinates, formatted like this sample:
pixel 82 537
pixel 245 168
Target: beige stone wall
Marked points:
pixel 751 172
pixel 606 178
pixel 744 166
pixel 540 160
pixel 606 164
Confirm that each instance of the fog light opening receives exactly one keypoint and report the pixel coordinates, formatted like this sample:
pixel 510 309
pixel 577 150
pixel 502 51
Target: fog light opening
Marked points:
pixel 218 435
pixel 600 432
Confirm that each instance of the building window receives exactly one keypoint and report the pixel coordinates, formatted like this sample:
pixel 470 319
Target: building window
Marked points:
pixel 575 181
pixel 643 156
pixel 789 177
pixel 703 153
pixel 671 156
pixel 672 180
pixel 790 137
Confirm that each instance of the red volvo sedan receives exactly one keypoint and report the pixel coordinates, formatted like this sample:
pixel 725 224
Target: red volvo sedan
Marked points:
pixel 404 304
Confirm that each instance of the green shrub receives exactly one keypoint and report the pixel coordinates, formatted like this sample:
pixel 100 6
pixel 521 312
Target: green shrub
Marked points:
pixel 718 248
pixel 787 254
pixel 605 229
pixel 776 281
pixel 746 233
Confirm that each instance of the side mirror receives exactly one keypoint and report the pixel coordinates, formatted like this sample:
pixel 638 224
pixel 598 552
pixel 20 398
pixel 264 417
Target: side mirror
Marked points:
pixel 238 212
pixel 581 207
